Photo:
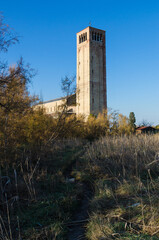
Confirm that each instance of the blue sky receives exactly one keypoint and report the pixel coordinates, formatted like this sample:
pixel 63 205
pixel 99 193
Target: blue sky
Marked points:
pixel 47 31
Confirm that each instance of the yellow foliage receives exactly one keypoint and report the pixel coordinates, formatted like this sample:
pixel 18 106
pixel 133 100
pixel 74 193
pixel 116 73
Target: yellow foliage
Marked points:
pixel 123 125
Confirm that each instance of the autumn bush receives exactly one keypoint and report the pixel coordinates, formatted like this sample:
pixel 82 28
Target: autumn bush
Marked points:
pixel 108 123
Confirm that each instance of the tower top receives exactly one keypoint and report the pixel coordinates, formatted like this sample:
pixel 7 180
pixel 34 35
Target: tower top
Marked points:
pixel 90 28
pixel 91 34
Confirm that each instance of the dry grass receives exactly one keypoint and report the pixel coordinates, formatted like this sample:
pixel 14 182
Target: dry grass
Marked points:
pixel 126 185
pixel 125 155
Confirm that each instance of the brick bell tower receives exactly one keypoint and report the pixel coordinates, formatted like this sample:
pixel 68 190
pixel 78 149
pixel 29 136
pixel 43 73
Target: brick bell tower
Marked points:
pixel 91 97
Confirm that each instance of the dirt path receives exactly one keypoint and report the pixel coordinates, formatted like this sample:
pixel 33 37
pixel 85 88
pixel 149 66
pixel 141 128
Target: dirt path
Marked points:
pixel 80 218
pixel 76 228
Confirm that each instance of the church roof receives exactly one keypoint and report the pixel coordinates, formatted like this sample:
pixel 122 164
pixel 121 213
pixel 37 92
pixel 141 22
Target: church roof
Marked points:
pixel 70 99
pixel 54 100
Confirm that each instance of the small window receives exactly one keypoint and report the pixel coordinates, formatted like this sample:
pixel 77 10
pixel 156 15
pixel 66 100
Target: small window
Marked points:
pixel 101 37
pixel 92 100
pixel 92 71
pixel 93 36
pixel 97 36
pixel 86 36
pixel 79 39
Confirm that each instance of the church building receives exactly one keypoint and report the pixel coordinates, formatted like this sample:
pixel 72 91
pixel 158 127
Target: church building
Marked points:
pixel 91 97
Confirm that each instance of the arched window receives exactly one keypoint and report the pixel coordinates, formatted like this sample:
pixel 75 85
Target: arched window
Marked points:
pixel 79 39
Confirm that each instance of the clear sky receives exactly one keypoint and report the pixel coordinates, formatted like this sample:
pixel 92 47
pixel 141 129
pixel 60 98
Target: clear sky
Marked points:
pixel 48 30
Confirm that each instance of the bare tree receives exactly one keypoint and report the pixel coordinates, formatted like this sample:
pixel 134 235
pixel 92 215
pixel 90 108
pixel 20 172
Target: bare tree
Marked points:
pixel 7 35
pixel 68 86
pixel 20 74
pixel 7 38
pixel 144 123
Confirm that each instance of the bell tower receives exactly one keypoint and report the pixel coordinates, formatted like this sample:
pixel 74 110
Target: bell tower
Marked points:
pixel 91 95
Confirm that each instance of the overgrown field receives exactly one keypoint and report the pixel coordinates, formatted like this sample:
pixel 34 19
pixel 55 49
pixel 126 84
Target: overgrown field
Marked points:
pixel 125 171
pixel 38 199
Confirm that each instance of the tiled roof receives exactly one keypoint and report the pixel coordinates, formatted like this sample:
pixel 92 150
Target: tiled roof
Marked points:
pixel 145 127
